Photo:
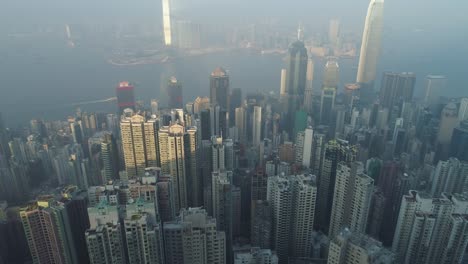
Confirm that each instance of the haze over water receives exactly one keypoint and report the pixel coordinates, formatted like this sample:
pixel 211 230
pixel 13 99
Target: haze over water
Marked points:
pixel 45 75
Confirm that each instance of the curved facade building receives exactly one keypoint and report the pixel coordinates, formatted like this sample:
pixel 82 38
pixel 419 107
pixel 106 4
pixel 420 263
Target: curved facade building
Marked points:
pixel 371 42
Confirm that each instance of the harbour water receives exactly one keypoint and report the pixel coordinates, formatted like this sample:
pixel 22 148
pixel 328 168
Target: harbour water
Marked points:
pixel 45 76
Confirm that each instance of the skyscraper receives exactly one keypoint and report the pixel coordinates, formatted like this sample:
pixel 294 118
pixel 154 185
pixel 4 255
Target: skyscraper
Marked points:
pixel 193 238
pixel 463 110
pixel 309 87
pixel 329 90
pixel 219 88
pixel 177 146
pixel 304 148
pixel 292 199
pixel 370 46
pixel 396 89
pixel 235 101
pixel 257 125
pixel 143 234
pixel 125 96
pixel 256 255
pixel 48 232
pixel 110 158
pixel 334 32
pixel 435 85
pixel 261 224
pixel 222 206
pixel 167 23
pixel 327 104
pixel 331 74
pixel 450 176
pixel 139 144
pixel 174 91
pixel 431 230
pixel 349 247
pixel 284 82
pixel 240 123
pixel 448 122
pixel 351 199
pixel 335 151
pixel 295 81
pixel 459 144
pixel 104 239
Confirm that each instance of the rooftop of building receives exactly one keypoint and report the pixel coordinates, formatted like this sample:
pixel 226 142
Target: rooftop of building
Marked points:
pixel 219 72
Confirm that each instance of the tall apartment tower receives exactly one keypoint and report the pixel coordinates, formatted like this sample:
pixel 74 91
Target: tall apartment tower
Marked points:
pixel 353 247
pixel 351 199
pixel 49 232
pixel 450 176
pixel 139 143
pixel 292 199
pixel 222 202
pixel 104 239
pixel 219 88
pixel 335 151
pixel 193 238
pixel 261 224
pixel 177 146
pixel 143 234
pixel 304 147
pixel 256 255
pixel 431 230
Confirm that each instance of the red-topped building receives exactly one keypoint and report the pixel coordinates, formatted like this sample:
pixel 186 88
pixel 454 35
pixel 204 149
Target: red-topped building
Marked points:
pixel 125 96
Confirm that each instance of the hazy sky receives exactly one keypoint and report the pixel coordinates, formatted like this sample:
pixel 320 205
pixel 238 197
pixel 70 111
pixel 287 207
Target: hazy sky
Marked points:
pixel 398 13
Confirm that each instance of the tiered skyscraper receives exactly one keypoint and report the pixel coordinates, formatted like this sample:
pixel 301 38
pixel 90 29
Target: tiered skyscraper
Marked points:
pixel 351 199
pixel 370 46
pixel 167 23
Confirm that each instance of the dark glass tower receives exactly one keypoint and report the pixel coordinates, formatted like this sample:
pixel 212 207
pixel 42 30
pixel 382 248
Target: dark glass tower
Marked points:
pixel 174 91
pixel 125 96
pixel 219 88
pixel 296 74
pixel 396 89
pixel 296 82
pixel 459 143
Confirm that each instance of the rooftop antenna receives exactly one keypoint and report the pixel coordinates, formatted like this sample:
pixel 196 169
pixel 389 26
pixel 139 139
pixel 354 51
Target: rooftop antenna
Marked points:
pixel 300 32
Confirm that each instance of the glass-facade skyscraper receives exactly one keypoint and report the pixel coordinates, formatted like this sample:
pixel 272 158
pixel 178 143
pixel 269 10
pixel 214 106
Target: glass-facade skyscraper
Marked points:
pixel 370 46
